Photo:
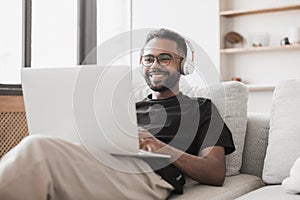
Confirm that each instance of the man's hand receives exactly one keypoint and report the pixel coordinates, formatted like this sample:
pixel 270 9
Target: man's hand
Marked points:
pixel 208 168
pixel 148 142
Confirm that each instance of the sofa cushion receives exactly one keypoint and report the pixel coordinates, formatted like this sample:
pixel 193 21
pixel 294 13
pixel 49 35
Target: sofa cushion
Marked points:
pixel 284 137
pixel 292 183
pixel 234 186
pixel 270 192
pixel 231 100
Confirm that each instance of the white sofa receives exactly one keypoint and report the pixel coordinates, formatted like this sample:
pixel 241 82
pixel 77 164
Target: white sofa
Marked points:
pixel 250 171
pixel 257 168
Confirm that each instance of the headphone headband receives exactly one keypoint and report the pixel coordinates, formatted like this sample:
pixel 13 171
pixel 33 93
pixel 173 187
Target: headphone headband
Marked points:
pixel 188 68
pixel 191 48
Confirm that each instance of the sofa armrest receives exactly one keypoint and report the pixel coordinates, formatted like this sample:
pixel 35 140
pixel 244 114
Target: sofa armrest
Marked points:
pixel 256 142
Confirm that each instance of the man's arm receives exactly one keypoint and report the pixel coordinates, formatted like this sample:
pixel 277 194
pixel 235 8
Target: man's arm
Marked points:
pixel 209 168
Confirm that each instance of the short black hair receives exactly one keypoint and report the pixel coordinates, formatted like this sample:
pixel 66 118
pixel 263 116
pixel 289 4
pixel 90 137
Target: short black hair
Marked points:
pixel 168 34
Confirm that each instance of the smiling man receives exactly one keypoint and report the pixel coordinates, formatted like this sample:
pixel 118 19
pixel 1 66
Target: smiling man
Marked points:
pixel 190 130
pixel 186 122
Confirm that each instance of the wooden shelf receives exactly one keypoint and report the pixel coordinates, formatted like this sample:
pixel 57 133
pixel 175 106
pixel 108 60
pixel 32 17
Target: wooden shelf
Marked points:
pixel 260 49
pixel 260 87
pixel 234 13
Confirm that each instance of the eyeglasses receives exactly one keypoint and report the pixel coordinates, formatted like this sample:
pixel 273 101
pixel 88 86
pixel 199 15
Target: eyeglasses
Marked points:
pixel 163 59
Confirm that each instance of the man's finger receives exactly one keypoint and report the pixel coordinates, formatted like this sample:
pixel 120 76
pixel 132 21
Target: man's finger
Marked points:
pixel 144 142
pixel 148 147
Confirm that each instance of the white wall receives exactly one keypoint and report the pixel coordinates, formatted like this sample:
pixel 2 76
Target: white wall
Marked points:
pixel 113 18
pixel 197 20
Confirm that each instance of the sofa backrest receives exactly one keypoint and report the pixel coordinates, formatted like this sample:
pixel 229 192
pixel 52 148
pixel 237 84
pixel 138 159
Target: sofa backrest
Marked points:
pixel 256 143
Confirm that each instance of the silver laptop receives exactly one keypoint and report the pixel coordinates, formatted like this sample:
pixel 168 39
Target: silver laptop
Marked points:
pixel 91 105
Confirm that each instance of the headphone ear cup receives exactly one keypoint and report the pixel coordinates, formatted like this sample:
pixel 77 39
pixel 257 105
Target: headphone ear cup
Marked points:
pixel 182 66
pixel 186 68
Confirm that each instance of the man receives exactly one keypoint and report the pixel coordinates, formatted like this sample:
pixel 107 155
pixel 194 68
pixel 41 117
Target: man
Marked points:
pixel 171 123
pixel 161 60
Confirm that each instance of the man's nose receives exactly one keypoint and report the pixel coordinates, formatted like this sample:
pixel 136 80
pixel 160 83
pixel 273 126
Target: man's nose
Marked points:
pixel 155 63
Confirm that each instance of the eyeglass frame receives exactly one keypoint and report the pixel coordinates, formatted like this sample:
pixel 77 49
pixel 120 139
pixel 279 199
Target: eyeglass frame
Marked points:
pixel 172 57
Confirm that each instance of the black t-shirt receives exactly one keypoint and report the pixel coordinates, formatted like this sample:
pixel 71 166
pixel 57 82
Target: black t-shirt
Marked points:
pixel 188 124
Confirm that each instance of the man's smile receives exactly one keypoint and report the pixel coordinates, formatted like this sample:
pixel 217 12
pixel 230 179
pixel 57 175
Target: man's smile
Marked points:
pixel 157 75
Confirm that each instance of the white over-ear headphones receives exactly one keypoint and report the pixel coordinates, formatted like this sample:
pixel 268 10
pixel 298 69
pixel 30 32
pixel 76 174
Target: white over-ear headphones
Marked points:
pixel 187 67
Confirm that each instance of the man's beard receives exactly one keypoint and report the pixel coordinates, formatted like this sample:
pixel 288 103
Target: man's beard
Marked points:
pixel 167 84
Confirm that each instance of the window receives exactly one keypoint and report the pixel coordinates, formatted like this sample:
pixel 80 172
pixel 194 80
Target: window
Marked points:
pixel 48 33
pixel 54 33
pixel 10 41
